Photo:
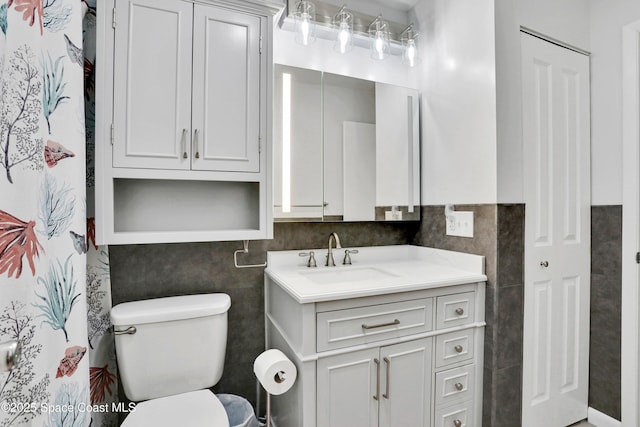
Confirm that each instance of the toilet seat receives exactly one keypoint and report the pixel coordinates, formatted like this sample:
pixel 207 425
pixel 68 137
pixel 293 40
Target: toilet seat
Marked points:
pixel 193 409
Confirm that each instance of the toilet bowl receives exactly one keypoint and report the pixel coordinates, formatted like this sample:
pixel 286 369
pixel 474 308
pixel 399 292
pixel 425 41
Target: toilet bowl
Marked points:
pixel 193 409
pixel 170 351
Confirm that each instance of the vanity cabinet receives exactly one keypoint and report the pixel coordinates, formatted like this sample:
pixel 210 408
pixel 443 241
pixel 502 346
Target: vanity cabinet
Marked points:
pixel 388 386
pixel 369 355
pixel 182 121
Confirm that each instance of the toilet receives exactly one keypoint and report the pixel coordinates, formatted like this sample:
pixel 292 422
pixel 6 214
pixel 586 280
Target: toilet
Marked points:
pixel 170 351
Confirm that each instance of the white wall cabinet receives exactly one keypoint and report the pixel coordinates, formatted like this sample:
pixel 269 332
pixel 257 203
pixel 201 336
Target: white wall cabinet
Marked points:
pixel 404 359
pixel 182 121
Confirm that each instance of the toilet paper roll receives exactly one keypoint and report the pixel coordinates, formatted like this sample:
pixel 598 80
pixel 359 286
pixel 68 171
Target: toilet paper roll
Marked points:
pixel 275 371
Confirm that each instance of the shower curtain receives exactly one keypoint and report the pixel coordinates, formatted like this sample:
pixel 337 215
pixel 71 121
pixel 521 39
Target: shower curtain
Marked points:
pixel 44 236
pixel 102 358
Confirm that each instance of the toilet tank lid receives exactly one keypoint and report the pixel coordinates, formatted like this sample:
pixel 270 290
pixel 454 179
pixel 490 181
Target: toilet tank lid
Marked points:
pixel 169 308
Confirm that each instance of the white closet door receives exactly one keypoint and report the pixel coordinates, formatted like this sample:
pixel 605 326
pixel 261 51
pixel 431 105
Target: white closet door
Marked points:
pixel 152 84
pixel 557 234
pixel 226 90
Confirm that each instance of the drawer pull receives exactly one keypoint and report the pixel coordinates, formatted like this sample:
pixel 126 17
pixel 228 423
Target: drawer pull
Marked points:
pixel 457 423
pixel 377 395
pixel 458 348
pixel 381 325
pixel 388 362
pixel 459 386
pixel 459 311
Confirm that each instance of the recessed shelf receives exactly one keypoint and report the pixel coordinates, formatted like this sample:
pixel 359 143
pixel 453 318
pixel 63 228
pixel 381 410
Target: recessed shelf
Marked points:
pixel 156 205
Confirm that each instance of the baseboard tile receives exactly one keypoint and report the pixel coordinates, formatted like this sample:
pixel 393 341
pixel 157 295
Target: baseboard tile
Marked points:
pixel 599 419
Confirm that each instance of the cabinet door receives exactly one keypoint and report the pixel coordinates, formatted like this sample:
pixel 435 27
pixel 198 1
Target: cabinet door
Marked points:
pixel 226 90
pixel 348 386
pixel 406 384
pixel 152 84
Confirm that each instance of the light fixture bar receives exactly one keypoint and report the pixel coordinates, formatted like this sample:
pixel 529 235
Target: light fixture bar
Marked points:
pixel 325 13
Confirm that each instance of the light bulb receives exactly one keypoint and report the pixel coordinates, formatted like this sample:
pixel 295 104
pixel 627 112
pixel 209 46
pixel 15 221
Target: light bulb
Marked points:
pixel 305 29
pixel 379 45
pixel 344 36
pixel 411 53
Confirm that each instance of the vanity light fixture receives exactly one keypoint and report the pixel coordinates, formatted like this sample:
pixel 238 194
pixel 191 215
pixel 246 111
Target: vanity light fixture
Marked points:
pixel 305 26
pixel 409 48
pixel 343 22
pixel 379 37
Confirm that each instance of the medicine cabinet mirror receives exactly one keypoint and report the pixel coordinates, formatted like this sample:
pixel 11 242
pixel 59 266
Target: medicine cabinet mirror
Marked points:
pixel 345 149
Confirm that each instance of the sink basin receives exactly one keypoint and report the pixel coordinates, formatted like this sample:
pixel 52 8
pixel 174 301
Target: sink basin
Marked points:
pixel 346 274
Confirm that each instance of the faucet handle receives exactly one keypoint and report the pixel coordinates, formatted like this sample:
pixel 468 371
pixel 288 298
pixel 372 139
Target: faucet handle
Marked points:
pixel 347 255
pixel 311 262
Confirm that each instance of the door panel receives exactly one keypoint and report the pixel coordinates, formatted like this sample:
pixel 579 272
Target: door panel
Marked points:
pixel 405 384
pixel 152 84
pixel 543 164
pixel 226 105
pixel 557 240
pixel 346 386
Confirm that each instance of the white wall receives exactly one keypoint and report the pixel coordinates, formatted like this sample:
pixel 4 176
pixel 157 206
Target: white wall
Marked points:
pixel 607 20
pixel 565 20
pixel 458 101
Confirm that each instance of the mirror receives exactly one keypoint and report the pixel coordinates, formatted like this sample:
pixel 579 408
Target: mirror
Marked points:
pixel 345 149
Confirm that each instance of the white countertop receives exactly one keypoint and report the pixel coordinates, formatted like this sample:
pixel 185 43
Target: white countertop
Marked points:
pixel 375 270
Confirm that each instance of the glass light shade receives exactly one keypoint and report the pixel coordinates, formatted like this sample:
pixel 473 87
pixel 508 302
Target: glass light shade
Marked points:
pixel 410 53
pixel 343 22
pixel 409 49
pixel 305 22
pixel 379 36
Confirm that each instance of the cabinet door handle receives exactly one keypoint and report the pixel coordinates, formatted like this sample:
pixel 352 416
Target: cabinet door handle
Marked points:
pixel 459 311
pixel 184 144
pixel 458 349
pixel 459 386
pixel 195 143
pixel 381 325
pixel 457 423
pixel 388 362
pixel 377 395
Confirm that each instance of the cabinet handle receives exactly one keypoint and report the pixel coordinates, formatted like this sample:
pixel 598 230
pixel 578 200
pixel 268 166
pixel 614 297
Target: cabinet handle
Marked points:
pixel 184 144
pixel 381 325
pixel 459 311
pixel 388 362
pixel 377 395
pixel 458 348
pixel 457 423
pixel 459 386
pixel 195 143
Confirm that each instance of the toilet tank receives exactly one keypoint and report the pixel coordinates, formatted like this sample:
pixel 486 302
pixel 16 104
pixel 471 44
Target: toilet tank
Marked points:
pixel 178 346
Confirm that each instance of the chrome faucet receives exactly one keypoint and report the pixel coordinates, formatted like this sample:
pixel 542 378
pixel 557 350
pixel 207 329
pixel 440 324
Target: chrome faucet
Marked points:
pixel 330 262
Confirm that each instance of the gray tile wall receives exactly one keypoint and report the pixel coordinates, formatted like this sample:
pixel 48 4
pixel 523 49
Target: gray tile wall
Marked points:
pixel 151 271
pixel 606 300
pixel 499 236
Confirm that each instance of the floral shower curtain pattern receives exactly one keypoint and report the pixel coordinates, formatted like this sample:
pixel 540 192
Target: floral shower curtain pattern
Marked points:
pixel 43 238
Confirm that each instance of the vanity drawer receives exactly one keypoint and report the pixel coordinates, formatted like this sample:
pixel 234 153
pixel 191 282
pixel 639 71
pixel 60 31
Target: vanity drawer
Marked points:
pixel 454 385
pixel 460 415
pixel 454 347
pixel 344 328
pixel 454 310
